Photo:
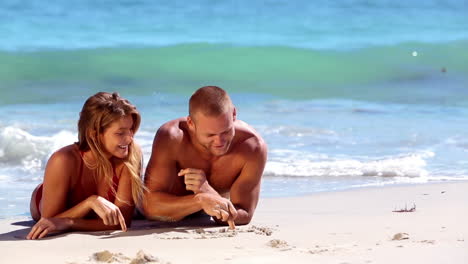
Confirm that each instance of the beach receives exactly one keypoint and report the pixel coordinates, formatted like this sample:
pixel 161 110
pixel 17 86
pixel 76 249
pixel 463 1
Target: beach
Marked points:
pixel 353 226
pixel 363 109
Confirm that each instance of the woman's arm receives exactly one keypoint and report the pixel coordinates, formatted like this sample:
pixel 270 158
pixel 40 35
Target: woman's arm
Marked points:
pixel 58 174
pixel 104 208
pixel 123 202
pixel 113 216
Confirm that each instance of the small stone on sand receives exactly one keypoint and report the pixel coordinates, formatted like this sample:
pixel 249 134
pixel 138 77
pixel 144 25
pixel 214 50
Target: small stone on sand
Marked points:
pixel 277 243
pixel 400 236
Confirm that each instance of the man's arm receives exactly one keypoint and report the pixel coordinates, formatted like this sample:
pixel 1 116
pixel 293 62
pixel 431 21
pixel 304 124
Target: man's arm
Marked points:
pixel 161 202
pixel 245 191
pixel 160 177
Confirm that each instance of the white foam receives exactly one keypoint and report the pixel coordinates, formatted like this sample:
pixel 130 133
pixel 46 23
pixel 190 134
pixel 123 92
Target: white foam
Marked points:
pixel 19 148
pixel 300 164
pixel 291 131
pixel 3 177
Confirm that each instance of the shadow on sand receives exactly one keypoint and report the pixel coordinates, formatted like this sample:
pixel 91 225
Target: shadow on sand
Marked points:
pixel 139 227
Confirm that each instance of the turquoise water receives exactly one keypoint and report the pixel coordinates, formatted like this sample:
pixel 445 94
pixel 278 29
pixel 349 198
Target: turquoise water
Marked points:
pixel 385 73
pixel 348 94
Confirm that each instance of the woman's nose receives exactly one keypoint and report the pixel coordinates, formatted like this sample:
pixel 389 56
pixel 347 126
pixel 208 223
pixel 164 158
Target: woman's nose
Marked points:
pixel 129 137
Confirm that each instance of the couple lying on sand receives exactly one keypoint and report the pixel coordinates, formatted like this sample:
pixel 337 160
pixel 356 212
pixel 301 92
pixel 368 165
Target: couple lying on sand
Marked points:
pixel 208 161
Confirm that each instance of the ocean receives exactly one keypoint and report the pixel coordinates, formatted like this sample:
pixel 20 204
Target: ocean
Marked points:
pixel 347 94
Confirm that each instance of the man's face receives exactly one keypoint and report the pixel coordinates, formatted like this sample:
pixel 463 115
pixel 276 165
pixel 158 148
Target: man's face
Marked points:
pixel 215 134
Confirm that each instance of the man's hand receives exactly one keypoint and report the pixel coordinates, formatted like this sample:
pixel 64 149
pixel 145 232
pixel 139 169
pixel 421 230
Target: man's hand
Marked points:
pixel 212 203
pixel 219 207
pixel 195 180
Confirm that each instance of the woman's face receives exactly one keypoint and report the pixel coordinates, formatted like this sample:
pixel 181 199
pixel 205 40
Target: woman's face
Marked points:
pixel 117 137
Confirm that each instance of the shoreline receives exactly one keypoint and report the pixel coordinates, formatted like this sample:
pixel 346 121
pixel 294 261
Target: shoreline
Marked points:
pixel 385 186
pixel 299 194
pixel 349 226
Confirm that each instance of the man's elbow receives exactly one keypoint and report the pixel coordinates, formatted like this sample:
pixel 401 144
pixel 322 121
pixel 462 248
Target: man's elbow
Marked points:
pixel 244 216
pixel 243 221
pixel 238 222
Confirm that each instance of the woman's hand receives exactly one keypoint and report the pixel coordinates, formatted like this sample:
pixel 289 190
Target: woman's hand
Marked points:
pixel 49 225
pixel 107 211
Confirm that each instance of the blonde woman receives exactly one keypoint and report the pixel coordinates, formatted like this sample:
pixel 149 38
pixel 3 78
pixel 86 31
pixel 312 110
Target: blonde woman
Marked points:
pixel 93 184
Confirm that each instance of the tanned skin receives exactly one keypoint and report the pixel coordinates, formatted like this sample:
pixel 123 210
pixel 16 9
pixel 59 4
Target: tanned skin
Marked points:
pixel 205 162
pixel 68 197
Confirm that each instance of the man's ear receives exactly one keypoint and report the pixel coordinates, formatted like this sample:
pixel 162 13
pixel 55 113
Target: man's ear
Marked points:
pixel 234 114
pixel 190 123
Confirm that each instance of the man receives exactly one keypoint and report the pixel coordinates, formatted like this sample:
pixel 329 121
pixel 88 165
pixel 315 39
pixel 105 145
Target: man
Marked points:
pixel 206 161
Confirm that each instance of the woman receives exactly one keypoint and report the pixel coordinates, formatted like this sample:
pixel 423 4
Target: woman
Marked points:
pixel 95 183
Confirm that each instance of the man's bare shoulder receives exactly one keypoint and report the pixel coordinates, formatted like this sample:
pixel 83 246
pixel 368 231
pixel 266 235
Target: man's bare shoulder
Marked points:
pixel 249 140
pixel 172 132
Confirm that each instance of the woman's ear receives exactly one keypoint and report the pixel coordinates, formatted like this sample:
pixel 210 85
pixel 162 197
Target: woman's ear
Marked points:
pixel 92 134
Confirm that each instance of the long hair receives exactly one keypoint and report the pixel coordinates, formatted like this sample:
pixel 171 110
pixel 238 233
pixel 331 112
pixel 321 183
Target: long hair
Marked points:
pixel 98 113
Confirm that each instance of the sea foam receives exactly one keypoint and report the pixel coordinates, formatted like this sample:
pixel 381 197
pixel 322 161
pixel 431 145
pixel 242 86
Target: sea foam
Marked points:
pixel 303 165
pixel 20 148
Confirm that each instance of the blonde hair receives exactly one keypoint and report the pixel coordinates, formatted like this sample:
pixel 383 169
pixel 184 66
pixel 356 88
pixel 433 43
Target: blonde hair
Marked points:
pixel 98 113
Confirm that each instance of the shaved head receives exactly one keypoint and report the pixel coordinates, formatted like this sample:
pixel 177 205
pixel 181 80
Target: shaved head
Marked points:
pixel 211 101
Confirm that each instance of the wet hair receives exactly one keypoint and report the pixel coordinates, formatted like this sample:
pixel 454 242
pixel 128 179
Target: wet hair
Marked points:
pixel 98 113
pixel 210 101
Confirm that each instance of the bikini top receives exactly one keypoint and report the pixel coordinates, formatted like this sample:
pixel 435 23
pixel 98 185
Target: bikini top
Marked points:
pixel 115 180
pixel 110 193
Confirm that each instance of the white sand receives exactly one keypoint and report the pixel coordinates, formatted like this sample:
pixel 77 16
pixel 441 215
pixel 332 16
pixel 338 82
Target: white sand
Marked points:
pixel 355 226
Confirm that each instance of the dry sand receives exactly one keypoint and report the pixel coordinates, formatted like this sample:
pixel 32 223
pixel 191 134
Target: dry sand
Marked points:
pixel 357 226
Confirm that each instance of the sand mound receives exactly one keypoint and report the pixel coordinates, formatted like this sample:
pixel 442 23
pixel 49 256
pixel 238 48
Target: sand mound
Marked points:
pixel 109 257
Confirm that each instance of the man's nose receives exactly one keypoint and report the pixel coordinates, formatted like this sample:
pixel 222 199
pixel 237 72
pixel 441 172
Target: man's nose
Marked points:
pixel 219 140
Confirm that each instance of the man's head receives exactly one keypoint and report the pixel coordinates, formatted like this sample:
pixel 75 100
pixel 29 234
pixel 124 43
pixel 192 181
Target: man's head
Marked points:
pixel 211 119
